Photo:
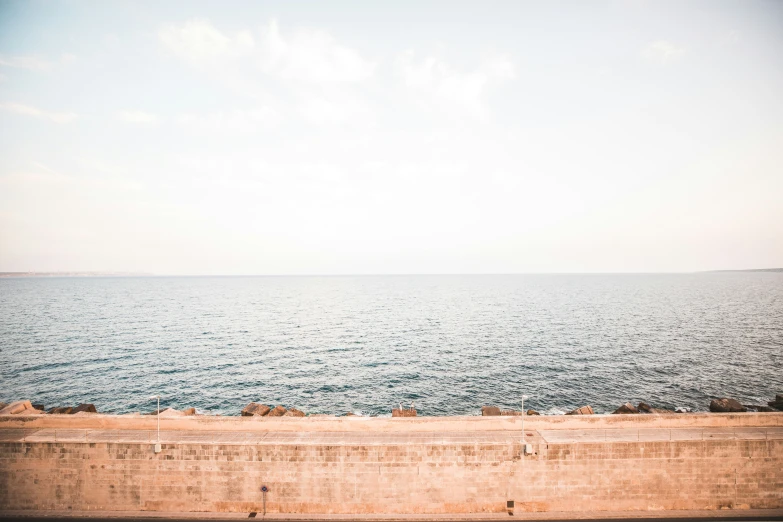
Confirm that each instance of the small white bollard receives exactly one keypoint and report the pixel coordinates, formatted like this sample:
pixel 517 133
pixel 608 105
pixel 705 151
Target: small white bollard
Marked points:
pixel 157 447
pixel 528 449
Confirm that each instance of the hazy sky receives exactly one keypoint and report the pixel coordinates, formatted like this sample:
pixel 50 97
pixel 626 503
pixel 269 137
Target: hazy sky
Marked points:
pixel 396 137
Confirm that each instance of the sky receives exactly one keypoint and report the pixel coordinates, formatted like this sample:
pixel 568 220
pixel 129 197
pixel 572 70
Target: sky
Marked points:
pixel 391 137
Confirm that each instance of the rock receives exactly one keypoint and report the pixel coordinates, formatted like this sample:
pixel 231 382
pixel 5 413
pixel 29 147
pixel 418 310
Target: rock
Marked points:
pixel 171 412
pixel 350 414
pixel 777 403
pixel 86 408
pixel 490 411
pixel 397 412
pixel 39 407
pixel 255 410
pixel 759 408
pixel 584 410
pixel 293 412
pixel 532 412
pixel 646 408
pixel 16 408
pixel 277 411
pixel 61 409
pixel 31 411
pixel 726 406
pixel 681 409
pixel 510 413
pixel 189 411
pixel 626 408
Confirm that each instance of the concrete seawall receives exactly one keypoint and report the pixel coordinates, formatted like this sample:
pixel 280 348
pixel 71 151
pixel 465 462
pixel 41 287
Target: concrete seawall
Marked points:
pixel 353 465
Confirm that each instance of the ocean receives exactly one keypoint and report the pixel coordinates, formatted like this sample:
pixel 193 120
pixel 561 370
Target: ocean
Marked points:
pixel 364 344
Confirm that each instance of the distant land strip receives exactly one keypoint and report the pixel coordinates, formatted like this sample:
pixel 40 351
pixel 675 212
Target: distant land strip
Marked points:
pixel 147 274
pixel 751 270
pixel 72 274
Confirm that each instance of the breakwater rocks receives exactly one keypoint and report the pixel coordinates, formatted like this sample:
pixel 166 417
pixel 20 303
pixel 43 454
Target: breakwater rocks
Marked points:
pixel 262 410
pixel 255 409
pixel 724 405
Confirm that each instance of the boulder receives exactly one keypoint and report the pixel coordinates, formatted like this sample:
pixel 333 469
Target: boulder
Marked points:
pixel 584 410
pixel 39 407
pixel 532 412
pixel 189 411
pixel 171 412
pixel 510 413
pixel 402 412
pixel 777 403
pixel 726 406
pixel 350 414
pixel 759 408
pixel 86 408
pixel 626 408
pixel 16 408
pixel 277 411
pixel 255 410
pixel 61 409
pixel 293 412
pixel 490 411
pixel 645 408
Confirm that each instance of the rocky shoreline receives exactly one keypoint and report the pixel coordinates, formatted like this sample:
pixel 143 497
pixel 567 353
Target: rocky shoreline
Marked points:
pixel 255 409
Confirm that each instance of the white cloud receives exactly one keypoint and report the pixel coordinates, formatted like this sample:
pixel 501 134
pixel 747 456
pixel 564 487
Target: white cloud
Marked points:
pixel 44 176
pixel 238 121
pixel 57 117
pixel 199 42
pixel 137 117
pixel 437 83
pixel 34 63
pixel 336 108
pixel 662 51
pixel 307 55
pixel 310 55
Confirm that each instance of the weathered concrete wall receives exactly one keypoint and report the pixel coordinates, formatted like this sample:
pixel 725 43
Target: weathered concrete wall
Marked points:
pixel 672 475
pixel 394 466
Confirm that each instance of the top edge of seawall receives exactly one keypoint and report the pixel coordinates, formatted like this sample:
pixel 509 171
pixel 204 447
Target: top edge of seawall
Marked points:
pixel 386 424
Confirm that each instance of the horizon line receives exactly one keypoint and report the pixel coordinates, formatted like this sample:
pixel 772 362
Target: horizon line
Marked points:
pixel 97 273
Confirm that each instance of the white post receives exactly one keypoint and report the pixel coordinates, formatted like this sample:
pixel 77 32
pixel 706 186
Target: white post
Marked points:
pixel 523 422
pixel 157 444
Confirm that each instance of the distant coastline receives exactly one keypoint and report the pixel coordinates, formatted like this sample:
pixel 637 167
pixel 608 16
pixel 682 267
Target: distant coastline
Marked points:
pixel 750 270
pixel 150 274
pixel 72 274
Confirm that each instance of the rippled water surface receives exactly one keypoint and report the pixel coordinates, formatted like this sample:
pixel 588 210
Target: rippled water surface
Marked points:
pixel 339 344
